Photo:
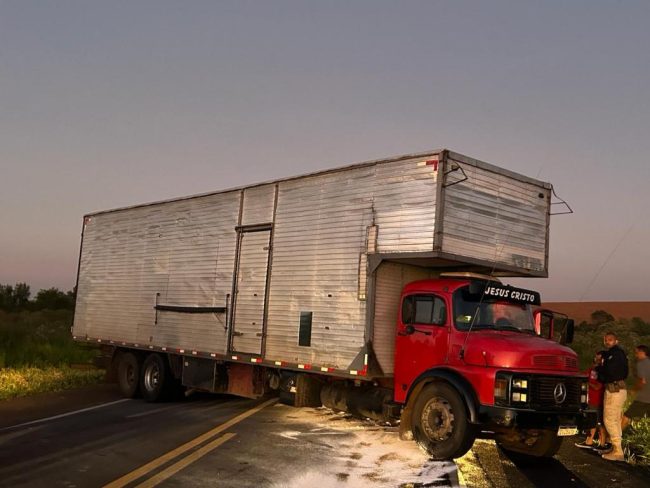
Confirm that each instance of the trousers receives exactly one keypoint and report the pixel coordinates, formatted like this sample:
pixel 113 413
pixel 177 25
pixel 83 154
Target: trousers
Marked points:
pixel 613 412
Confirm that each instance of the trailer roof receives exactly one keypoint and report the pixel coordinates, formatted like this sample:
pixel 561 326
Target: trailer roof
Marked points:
pixel 452 155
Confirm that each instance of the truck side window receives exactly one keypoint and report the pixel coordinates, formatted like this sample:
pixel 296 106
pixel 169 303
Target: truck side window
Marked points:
pixel 424 309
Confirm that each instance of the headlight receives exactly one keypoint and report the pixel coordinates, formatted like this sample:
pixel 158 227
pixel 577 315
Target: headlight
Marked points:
pixel 584 393
pixel 519 397
pixel 519 390
pixel 519 383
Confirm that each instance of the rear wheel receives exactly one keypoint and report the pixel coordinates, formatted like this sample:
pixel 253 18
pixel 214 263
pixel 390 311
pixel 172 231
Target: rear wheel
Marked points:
pixel 128 374
pixel 440 424
pixel 155 379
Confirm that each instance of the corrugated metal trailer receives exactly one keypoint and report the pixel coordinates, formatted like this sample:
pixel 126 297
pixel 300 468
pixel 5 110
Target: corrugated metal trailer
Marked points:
pixel 303 273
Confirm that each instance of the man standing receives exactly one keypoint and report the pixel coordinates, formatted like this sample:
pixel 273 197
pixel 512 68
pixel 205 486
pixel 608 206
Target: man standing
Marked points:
pixel 641 405
pixel 613 374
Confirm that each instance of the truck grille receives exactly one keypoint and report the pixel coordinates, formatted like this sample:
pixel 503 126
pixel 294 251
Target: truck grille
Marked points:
pixel 555 362
pixel 543 392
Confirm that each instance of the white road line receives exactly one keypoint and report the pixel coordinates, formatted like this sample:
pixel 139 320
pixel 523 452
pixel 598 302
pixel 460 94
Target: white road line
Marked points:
pixel 65 414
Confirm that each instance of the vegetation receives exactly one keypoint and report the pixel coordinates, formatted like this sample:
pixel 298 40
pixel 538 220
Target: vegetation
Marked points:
pixel 26 380
pixel 36 347
pixel 589 339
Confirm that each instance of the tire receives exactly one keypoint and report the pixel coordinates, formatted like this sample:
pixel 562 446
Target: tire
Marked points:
pixel 307 391
pixel 155 379
pixel 128 374
pixel 547 445
pixel 440 424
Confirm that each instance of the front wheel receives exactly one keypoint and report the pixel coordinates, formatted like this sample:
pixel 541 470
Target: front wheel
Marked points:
pixel 541 446
pixel 440 424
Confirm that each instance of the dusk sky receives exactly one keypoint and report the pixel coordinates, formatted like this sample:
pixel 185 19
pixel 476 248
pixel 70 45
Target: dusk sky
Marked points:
pixel 108 104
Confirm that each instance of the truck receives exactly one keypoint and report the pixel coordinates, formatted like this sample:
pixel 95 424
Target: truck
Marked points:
pixel 374 288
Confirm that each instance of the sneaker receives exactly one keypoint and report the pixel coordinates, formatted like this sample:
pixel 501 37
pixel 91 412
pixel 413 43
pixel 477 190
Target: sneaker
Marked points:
pixel 614 456
pixel 602 448
pixel 584 445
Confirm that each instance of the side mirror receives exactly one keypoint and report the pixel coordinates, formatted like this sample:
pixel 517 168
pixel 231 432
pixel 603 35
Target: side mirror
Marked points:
pixel 567 337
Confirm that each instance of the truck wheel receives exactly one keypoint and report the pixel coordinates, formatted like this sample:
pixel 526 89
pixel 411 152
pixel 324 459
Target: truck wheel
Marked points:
pixel 440 424
pixel 307 391
pixel 546 446
pixel 155 379
pixel 128 374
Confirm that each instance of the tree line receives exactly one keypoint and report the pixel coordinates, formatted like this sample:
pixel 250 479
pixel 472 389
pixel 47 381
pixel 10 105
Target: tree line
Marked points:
pixel 18 298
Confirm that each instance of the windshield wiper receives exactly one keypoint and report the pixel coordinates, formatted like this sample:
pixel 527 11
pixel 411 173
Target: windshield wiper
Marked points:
pixel 507 327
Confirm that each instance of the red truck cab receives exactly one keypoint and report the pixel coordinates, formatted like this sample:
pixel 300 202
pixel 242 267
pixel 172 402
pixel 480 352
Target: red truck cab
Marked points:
pixel 470 359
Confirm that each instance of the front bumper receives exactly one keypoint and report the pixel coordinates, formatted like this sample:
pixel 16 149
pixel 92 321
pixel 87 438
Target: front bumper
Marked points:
pixel 492 417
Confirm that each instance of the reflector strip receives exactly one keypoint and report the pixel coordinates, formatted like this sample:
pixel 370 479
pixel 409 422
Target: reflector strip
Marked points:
pixel 256 360
pixel 235 358
pixel 354 371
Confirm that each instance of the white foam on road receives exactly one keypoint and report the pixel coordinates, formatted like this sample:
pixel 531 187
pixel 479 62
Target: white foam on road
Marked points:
pixel 363 454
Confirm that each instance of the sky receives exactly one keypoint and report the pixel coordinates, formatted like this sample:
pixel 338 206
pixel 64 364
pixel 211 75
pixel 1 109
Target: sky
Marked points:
pixel 108 104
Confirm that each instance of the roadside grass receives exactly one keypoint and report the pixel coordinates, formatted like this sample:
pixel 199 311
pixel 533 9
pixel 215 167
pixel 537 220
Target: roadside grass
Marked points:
pixel 37 351
pixel 15 382
pixel 636 440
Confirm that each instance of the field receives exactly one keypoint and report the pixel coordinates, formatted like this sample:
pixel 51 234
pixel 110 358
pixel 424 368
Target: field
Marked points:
pixel 37 354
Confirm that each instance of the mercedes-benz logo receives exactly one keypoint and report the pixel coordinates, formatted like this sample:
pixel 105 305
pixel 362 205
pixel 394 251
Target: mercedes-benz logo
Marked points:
pixel 559 393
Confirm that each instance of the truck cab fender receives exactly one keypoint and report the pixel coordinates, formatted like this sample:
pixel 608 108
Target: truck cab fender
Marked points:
pixel 444 375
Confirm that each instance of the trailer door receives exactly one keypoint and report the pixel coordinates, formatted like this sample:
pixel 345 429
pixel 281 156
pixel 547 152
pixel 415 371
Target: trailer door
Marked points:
pixel 250 294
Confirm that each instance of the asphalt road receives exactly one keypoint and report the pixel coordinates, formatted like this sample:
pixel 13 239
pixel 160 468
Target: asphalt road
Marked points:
pixel 93 438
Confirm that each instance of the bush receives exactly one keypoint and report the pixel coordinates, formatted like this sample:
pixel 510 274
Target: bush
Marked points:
pixel 636 440
pixel 40 338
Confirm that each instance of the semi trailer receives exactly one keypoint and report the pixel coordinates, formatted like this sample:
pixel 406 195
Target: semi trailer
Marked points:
pixel 374 288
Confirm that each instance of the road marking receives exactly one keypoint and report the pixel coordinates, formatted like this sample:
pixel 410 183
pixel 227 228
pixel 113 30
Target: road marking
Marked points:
pixel 65 414
pixel 150 466
pixel 186 461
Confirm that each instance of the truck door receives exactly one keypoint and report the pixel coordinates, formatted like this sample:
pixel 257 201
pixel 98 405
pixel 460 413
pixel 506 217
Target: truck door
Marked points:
pixel 422 337
pixel 248 324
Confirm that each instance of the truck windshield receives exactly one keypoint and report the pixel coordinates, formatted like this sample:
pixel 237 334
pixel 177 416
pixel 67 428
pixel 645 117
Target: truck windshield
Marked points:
pixel 481 312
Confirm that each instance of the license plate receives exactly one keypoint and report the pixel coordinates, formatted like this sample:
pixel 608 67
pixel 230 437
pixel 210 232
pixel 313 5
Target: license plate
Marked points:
pixel 566 430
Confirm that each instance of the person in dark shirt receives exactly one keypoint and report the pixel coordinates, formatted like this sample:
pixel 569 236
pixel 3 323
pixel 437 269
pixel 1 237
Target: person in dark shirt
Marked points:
pixel 613 374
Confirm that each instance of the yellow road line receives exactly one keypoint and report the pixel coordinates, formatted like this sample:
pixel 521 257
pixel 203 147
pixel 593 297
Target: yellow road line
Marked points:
pixel 150 466
pixel 186 461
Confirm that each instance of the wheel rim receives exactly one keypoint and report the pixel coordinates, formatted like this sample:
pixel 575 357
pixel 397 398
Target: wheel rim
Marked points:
pixel 152 377
pixel 437 419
